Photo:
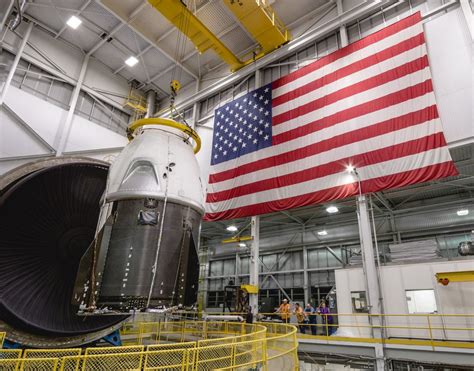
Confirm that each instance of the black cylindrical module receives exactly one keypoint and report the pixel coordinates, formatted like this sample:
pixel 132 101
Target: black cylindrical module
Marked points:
pixel 132 250
pixel 48 218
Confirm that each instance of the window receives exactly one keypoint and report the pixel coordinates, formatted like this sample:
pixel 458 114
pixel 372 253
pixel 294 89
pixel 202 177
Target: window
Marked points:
pixel 359 302
pixel 421 301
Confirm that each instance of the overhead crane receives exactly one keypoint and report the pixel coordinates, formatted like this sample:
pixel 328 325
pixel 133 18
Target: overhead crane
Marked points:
pixel 256 16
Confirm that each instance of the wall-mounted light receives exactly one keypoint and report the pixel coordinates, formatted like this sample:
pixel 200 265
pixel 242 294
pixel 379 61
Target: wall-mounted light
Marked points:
pixel 462 212
pixel 332 209
pixel 131 61
pixel 73 22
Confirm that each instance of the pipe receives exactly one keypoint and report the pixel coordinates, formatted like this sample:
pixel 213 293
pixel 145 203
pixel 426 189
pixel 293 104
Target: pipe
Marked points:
pixel 7 13
pixel 150 103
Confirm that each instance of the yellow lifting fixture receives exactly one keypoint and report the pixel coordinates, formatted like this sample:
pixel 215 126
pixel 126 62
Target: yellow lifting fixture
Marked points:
pixel 446 278
pixel 259 19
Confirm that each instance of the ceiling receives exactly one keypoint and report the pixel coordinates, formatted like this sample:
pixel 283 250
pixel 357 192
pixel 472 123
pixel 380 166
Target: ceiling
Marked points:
pixel 157 51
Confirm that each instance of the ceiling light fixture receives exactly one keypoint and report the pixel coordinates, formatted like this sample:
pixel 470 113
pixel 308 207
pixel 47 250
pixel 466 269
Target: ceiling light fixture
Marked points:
pixel 350 168
pixel 131 61
pixel 242 244
pixel 232 228
pixel 332 209
pixel 462 212
pixel 322 233
pixel 73 22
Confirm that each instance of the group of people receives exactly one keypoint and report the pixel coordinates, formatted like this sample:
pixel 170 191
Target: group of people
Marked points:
pixel 307 317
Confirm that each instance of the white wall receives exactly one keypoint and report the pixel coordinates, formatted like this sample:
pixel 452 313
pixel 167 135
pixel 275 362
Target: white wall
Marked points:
pixel 450 55
pixel 456 298
pixel 46 119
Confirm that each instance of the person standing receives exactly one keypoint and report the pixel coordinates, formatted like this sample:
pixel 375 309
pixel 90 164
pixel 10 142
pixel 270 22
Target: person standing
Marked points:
pixel 327 318
pixel 249 315
pixel 300 318
pixel 284 311
pixel 311 317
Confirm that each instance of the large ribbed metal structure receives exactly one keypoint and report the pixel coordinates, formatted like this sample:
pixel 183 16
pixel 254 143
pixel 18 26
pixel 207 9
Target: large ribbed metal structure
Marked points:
pixel 48 215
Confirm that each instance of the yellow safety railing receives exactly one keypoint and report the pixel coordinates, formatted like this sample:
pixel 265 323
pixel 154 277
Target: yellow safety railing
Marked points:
pixel 433 329
pixel 198 345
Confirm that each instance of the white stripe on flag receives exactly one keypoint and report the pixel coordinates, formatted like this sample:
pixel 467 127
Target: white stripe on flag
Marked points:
pixel 403 164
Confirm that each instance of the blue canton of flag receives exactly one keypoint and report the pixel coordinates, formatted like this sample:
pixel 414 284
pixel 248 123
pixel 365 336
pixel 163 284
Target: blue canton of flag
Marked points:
pixel 243 125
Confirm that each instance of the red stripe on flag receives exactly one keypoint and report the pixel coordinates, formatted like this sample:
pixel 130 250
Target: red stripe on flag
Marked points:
pixel 356 111
pixel 349 91
pixel 351 48
pixel 352 68
pixel 403 179
pixel 359 161
pixel 380 128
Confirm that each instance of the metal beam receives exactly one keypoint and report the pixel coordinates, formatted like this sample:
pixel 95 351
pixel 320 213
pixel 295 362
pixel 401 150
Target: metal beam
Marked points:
pixel 76 13
pixel 18 55
pixel 131 18
pixel 254 262
pixel 292 217
pixel 65 128
pixel 28 128
pixel 333 253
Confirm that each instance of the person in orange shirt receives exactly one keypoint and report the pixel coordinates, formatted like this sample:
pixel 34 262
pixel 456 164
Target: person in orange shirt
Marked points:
pixel 285 311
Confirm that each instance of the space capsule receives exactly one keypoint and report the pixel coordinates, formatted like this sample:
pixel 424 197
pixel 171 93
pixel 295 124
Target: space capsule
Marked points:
pixel 144 254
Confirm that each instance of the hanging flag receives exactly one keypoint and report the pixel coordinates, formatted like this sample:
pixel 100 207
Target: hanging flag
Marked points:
pixel 369 105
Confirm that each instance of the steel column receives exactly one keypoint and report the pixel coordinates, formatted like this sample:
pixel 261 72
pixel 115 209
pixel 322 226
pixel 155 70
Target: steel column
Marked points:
pixel 254 261
pixel 342 28
pixel 150 103
pixel 306 284
pixel 237 269
pixel 466 9
pixel 370 272
pixel 15 63
pixel 65 128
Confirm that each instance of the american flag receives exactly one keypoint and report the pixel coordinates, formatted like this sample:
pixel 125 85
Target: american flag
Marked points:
pixel 369 105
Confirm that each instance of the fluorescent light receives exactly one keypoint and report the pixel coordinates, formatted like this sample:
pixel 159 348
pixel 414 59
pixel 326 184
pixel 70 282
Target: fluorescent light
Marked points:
pixel 322 233
pixel 131 61
pixel 242 244
pixel 73 22
pixel 232 228
pixel 332 209
pixel 462 212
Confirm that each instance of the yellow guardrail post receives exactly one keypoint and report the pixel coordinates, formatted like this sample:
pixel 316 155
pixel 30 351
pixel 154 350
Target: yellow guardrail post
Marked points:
pixel 431 332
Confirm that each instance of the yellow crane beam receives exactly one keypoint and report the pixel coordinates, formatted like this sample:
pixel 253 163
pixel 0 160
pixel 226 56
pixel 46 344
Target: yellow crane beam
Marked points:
pixel 261 22
pixel 179 15
pixel 460 276
pixel 237 239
